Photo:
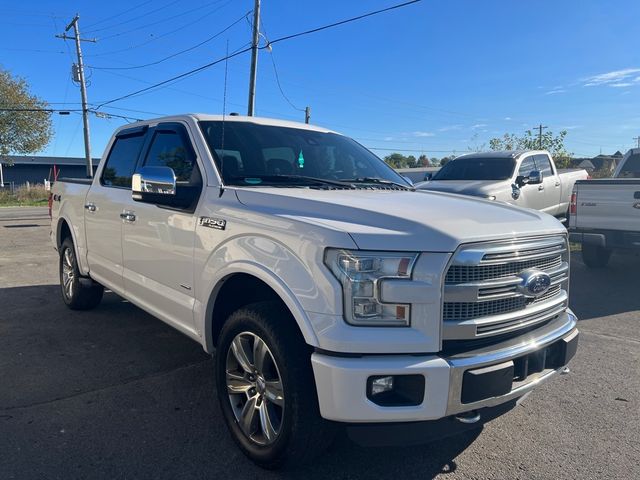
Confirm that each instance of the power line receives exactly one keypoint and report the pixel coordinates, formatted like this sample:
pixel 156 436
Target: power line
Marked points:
pixel 119 14
pixel 177 53
pixel 342 22
pixel 156 37
pixel 168 19
pixel 235 54
pixel 146 14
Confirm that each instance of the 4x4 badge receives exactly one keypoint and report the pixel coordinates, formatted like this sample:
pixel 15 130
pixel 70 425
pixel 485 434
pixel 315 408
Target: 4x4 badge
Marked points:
pixel 216 223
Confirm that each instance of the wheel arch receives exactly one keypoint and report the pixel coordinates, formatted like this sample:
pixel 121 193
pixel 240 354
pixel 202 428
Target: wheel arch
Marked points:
pixel 64 229
pixel 243 283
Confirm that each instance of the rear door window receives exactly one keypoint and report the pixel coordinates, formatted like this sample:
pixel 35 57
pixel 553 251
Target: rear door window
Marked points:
pixel 543 164
pixel 121 162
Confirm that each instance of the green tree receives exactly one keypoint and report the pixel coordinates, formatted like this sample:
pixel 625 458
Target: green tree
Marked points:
pixel 423 161
pixel 397 160
pixel 24 126
pixel 549 141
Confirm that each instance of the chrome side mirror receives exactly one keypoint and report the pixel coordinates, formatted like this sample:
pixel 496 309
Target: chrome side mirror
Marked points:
pixel 153 182
pixel 534 178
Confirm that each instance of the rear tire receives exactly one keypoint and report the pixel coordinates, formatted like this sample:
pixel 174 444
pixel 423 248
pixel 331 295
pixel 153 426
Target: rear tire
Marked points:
pixel 78 292
pixel 266 388
pixel 595 256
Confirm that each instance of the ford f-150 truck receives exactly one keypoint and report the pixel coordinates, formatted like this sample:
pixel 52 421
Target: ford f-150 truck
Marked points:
pixel 300 258
pixel 525 178
pixel 605 213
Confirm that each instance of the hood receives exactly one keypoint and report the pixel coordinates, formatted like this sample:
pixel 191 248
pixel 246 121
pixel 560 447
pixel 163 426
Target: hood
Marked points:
pixel 401 220
pixel 466 187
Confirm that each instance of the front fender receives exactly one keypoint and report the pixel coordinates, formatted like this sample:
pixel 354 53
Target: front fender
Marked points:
pixel 305 287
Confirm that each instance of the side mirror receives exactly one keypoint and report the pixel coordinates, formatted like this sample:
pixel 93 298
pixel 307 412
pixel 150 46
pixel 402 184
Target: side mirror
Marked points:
pixel 428 176
pixel 154 185
pixel 535 177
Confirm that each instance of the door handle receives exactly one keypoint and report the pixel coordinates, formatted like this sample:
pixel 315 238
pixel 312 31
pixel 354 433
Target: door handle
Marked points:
pixel 540 187
pixel 557 184
pixel 128 216
pixel 91 207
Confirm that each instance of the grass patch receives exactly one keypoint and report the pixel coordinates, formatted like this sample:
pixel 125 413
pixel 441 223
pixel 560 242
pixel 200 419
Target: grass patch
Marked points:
pixel 34 196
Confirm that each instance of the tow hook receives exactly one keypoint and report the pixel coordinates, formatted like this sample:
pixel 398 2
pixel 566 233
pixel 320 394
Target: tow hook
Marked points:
pixel 468 417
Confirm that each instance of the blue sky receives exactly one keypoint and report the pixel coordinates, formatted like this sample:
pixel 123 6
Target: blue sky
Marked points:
pixel 437 77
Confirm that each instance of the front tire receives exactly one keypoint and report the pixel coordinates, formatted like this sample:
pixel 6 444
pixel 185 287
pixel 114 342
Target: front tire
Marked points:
pixel 595 256
pixel 78 293
pixel 266 388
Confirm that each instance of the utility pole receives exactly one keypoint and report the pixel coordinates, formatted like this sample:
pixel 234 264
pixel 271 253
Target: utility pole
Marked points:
pixel 540 128
pixel 307 114
pixel 254 58
pixel 83 87
pixel 637 139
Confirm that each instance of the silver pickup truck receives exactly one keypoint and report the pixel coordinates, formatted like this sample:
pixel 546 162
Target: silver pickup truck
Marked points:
pixel 524 178
pixel 605 213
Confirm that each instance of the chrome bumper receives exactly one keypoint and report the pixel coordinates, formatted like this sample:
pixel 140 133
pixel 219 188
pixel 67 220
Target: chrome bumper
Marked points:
pixel 341 382
pixel 562 328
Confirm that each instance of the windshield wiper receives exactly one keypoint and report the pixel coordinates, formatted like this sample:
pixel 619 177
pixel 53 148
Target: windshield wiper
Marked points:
pixel 296 178
pixel 376 180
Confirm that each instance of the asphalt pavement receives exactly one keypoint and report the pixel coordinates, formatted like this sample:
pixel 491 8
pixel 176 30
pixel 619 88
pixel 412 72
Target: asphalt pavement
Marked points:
pixel 116 394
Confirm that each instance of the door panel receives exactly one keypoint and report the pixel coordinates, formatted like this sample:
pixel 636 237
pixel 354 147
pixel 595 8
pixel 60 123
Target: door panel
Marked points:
pixel 531 196
pixel 550 183
pixel 158 245
pixel 106 199
pixel 104 234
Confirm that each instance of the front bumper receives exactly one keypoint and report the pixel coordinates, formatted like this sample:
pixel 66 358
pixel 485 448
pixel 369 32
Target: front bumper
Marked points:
pixel 618 239
pixel 454 384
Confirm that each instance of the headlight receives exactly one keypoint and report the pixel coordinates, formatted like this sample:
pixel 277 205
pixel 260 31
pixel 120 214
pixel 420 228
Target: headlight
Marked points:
pixel 359 273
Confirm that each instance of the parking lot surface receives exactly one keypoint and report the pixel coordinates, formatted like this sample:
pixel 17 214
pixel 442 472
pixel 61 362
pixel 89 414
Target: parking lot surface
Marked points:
pixel 114 393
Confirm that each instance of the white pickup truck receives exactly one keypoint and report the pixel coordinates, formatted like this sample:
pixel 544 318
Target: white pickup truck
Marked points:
pixel 527 178
pixel 605 213
pixel 331 291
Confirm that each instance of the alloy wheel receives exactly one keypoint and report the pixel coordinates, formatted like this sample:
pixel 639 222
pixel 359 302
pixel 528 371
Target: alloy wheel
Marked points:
pixel 254 387
pixel 68 274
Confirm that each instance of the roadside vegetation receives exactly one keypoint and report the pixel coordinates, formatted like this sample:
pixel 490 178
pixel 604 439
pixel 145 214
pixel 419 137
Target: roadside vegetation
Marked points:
pixel 32 196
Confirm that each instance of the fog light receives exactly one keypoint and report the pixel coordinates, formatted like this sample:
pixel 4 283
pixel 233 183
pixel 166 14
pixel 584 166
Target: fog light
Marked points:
pixel 381 385
pixel 396 390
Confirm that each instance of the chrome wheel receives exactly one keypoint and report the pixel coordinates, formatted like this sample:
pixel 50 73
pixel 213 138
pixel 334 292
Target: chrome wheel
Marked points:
pixel 68 274
pixel 255 389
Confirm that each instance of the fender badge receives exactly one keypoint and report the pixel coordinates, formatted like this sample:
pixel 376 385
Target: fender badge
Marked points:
pixel 216 223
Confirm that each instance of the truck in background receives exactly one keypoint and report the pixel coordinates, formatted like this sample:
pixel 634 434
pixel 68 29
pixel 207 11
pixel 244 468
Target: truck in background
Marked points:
pixel 526 178
pixel 605 213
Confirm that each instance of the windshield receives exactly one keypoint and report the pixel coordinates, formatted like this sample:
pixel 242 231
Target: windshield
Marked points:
pixel 259 155
pixel 477 169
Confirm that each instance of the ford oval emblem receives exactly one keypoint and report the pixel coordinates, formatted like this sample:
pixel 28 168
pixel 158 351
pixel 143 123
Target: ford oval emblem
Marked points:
pixel 534 283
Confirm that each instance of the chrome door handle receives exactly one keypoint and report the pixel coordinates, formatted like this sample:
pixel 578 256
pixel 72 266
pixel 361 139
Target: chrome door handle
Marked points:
pixel 128 216
pixel 557 184
pixel 91 207
pixel 540 187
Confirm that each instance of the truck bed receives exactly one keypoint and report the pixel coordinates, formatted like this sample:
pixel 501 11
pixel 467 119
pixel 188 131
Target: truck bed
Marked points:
pixel 608 204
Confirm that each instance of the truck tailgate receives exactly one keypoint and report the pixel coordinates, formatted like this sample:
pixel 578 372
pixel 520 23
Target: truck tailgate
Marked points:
pixel 608 204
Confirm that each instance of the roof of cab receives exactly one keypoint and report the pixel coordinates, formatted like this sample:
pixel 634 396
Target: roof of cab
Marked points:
pixel 233 118
pixel 500 154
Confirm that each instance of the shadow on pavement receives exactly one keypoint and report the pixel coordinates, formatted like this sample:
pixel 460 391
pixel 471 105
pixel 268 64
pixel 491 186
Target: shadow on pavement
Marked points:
pixel 115 393
pixel 605 291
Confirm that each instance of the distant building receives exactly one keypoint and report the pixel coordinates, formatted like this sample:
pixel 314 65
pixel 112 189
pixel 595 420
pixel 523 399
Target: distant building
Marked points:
pixel 22 169
pixel 604 163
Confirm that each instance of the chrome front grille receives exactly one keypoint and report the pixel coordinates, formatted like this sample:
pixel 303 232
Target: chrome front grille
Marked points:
pixel 483 295
pixel 466 273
